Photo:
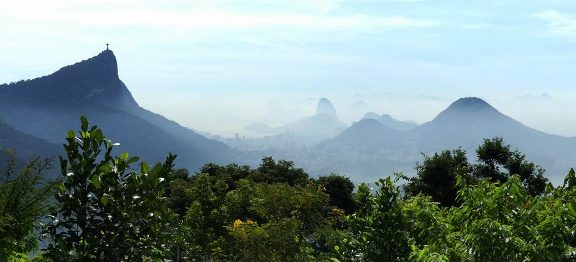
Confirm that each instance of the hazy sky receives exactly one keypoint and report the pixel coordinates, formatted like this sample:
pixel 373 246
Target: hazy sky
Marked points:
pixel 219 65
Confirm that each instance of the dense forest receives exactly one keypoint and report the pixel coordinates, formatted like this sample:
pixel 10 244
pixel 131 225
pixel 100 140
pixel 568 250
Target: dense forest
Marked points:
pixel 113 207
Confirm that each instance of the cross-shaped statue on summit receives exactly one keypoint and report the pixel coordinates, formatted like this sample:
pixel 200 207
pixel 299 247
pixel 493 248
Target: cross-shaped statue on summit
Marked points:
pixel 107 46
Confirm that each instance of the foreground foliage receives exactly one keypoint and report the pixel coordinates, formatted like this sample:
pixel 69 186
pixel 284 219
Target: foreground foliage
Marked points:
pixel 24 195
pixel 107 211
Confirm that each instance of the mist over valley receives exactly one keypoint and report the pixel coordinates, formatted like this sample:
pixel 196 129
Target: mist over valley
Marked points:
pixel 37 113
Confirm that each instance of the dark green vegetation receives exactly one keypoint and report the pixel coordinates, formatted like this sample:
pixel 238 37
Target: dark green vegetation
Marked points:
pixel 106 212
pixel 24 198
pixel 27 145
pixel 496 162
pixel 115 208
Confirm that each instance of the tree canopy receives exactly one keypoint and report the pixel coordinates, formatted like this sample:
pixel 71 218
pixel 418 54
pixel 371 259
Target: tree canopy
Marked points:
pixel 109 207
pixel 496 161
pixel 24 195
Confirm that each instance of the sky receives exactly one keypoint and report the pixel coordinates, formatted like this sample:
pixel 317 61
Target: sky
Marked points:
pixel 217 66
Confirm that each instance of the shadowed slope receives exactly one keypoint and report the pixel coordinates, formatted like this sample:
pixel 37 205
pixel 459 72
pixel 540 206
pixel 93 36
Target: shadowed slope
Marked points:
pixel 48 106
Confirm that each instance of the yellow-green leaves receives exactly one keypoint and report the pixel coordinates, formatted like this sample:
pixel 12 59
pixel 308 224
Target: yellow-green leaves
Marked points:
pixel 124 156
pixel 71 134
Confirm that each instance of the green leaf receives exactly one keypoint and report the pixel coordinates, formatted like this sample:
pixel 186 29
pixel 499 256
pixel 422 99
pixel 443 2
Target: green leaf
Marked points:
pixel 62 188
pixel 124 156
pixel 71 134
pixel 133 160
pixel 97 134
pixel 105 168
pixel 515 189
pixel 104 200
pixel 144 168
pixel 84 123
pixel 95 179
pixel 572 208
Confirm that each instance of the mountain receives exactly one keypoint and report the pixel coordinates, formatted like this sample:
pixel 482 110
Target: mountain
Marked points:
pixel 27 146
pixel 365 151
pixel 323 125
pixel 368 135
pixel 370 115
pixel 388 121
pixel 46 107
pixel 468 120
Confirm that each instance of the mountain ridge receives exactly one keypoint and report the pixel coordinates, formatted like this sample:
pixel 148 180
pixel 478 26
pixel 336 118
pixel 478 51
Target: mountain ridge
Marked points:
pixel 391 122
pixel 93 88
pixel 93 81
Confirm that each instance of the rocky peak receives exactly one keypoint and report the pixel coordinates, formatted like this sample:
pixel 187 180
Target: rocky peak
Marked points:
pixel 93 81
pixel 325 107
pixel 101 68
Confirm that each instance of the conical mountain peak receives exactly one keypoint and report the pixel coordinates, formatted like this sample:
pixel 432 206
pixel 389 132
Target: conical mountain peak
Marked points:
pixel 470 103
pixel 468 109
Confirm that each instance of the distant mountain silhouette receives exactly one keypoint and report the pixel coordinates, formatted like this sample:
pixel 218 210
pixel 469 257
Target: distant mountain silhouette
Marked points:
pixel 325 107
pixel 309 130
pixel 46 107
pixel 465 123
pixel 370 115
pixel 469 109
pixel 388 121
pixel 468 120
pixel 23 146
pixel 368 135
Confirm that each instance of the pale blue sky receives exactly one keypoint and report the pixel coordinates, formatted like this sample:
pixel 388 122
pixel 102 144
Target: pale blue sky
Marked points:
pixel 219 65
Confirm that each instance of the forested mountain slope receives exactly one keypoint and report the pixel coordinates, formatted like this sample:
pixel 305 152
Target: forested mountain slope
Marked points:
pixel 46 107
